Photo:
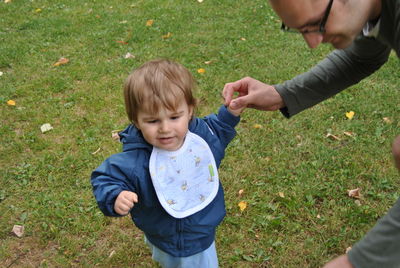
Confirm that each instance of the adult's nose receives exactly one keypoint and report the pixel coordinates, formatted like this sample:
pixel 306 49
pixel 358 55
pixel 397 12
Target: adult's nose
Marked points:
pixel 313 39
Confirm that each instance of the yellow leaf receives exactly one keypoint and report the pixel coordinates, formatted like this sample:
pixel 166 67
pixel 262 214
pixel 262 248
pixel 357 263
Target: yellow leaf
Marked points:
pixel 242 205
pixel 281 194
pixel 201 71
pixel 243 39
pixel 149 23
pixel 38 10
pixel 350 115
pixel 11 103
pixel 168 35
pixel 61 61
pixel 257 126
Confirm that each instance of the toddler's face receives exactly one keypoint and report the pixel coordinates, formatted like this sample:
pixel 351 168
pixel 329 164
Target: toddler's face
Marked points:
pixel 167 129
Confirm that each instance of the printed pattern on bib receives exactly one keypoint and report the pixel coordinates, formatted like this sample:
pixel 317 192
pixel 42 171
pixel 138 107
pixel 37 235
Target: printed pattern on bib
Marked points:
pixel 185 180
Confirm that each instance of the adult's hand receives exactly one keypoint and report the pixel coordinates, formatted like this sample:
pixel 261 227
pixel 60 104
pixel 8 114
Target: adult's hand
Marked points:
pixel 339 262
pixel 252 94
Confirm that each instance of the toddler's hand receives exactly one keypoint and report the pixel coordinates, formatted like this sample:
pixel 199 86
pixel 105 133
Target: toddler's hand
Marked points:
pixel 124 202
pixel 236 112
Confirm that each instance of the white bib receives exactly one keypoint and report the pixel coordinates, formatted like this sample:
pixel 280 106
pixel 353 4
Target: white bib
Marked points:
pixel 186 180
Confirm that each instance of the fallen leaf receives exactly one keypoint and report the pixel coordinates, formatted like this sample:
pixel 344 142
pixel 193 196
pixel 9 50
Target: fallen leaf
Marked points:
pixel 95 152
pixel 38 10
pixel 129 56
pixel 387 120
pixel 61 61
pixel 208 62
pixel 200 1
pixel 168 35
pixel 123 22
pixel 350 115
pixel 243 39
pixel 7 1
pixel 241 191
pixel 318 216
pixel 257 126
pixel 348 134
pixel 201 71
pixel 111 254
pixel 46 127
pixel 11 103
pixel 332 137
pixel 1 73
pixel 357 202
pixel 281 194
pixel 18 230
pixel 242 205
pixel 355 193
pixel 121 42
pixel 149 23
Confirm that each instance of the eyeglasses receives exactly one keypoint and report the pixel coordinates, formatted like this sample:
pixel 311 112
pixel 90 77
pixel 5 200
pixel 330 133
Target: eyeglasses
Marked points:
pixel 321 26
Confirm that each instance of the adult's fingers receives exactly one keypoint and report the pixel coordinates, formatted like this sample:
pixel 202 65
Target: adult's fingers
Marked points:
pixel 230 88
pixel 239 103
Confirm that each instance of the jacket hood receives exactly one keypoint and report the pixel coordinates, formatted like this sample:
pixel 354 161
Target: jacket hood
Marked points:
pixel 132 139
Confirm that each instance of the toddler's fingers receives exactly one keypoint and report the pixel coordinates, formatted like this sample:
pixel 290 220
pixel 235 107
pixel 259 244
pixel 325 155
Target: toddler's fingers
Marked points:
pixel 132 197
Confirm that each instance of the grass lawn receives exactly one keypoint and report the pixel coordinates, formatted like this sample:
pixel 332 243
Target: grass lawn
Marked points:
pixel 293 178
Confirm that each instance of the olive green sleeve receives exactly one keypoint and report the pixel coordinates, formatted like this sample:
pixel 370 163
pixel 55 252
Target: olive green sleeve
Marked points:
pixel 381 245
pixel 339 70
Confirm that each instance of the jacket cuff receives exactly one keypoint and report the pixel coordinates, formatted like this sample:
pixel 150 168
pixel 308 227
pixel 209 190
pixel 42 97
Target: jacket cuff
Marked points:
pixel 225 116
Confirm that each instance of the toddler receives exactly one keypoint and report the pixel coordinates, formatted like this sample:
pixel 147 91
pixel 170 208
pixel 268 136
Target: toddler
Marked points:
pixel 166 177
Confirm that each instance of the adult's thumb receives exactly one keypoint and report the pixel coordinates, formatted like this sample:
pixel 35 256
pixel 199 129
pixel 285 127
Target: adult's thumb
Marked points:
pixel 238 103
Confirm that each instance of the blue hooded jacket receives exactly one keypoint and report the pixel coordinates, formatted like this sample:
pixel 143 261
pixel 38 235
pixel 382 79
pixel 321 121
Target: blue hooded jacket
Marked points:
pixel 129 170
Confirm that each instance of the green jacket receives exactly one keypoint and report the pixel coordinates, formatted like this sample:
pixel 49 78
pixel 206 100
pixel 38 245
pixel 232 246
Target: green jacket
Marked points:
pixel 339 70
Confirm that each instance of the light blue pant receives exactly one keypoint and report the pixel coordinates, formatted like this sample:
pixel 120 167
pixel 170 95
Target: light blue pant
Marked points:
pixel 205 259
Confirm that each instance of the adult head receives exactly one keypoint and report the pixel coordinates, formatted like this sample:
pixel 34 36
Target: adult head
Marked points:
pixel 342 20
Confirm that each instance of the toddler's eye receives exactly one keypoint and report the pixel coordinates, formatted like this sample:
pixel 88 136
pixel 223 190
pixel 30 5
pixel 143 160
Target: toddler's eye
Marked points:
pixel 174 117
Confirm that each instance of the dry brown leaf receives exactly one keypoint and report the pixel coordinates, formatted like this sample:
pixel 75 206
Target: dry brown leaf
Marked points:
pixel 61 61
pixel 332 137
pixel 355 193
pixel 241 191
pixel 18 230
pixel 348 133
pixel 95 152
pixel 129 56
pixel 168 35
pixel 45 127
pixel 387 120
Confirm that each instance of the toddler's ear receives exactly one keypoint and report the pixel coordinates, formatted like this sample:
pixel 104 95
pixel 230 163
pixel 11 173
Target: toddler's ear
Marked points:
pixel 396 151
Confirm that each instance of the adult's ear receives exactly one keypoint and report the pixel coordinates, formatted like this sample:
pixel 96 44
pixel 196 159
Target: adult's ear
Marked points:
pixel 396 151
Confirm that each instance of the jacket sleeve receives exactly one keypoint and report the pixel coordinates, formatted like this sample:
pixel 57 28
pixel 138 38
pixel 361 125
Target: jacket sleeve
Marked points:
pixel 381 246
pixel 223 125
pixel 108 181
pixel 339 70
